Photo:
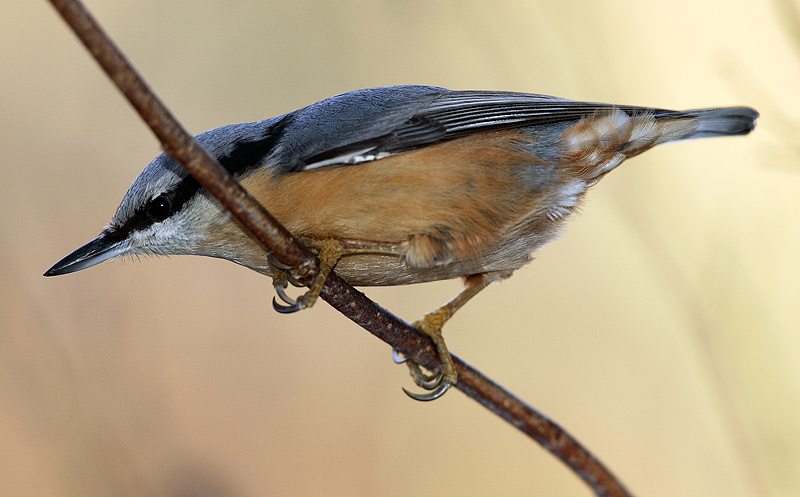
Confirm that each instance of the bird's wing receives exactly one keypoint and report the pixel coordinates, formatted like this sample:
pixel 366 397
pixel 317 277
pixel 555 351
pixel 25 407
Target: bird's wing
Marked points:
pixel 372 124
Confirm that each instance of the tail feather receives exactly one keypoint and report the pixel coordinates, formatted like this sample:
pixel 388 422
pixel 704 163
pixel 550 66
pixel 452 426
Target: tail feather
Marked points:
pixel 597 144
pixel 720 122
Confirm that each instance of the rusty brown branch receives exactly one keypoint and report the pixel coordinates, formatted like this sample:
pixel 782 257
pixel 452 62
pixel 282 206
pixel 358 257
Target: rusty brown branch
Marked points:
pixel 384 325
pixel 177 142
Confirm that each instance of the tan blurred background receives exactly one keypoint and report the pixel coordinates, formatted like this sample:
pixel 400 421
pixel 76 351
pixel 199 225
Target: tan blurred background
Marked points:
pixel 662 330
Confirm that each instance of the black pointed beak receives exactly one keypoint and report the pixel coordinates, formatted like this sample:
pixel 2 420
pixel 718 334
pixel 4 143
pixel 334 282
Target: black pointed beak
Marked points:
pixel 98 250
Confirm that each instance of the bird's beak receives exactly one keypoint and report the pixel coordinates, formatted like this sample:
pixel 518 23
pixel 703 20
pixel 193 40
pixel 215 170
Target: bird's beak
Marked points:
pixel 98 250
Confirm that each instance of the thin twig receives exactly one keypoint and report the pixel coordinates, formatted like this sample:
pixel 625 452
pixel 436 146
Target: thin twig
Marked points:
pixel 347 300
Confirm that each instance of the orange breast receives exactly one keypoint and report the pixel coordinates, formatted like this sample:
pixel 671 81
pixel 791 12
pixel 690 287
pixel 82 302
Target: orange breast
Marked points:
pixel 464 191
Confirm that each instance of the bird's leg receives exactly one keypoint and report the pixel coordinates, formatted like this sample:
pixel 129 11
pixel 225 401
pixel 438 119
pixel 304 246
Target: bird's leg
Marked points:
pixel 431 324
pixel 328 251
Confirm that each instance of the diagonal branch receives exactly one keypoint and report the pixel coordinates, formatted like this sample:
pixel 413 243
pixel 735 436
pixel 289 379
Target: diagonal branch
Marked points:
pixel 177 142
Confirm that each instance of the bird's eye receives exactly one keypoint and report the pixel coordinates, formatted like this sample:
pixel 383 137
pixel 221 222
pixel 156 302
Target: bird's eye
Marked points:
pixel 159 208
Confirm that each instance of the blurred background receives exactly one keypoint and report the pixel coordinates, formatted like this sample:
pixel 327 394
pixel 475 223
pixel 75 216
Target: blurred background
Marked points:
pixel 661 330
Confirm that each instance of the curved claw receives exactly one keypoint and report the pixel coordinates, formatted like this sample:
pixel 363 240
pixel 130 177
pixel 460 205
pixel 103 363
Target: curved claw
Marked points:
pixel 274 262
pixel 291 279
pixel 430 382
pixel 281 291
pixel 286 309
pixel 432 395
pixel 397 357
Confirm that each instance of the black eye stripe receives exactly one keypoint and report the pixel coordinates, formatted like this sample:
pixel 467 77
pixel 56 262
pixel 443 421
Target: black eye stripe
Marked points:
pixel 244 156
pixel 177 198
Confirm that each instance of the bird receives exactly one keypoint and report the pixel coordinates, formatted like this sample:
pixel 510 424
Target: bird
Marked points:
pixel 399 185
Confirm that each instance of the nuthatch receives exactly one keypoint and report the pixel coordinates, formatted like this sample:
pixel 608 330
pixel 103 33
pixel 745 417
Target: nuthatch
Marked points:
pixel 405 184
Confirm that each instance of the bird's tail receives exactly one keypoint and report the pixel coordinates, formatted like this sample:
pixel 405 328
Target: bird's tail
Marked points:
pixel 597 144
pixel 727 121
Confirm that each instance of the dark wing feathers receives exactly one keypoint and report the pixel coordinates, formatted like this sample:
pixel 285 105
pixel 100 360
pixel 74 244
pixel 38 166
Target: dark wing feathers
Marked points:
pixel 477 110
